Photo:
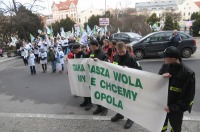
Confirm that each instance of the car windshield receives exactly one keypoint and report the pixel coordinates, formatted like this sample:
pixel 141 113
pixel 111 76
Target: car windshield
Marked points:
pixel 134 35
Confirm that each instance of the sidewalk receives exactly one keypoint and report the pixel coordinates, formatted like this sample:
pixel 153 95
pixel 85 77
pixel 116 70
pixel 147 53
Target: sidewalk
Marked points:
pixel 73 123
pixel 5 58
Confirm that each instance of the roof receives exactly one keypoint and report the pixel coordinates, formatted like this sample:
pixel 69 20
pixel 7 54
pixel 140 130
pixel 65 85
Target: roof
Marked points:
pixel 197 3
pixel 65 5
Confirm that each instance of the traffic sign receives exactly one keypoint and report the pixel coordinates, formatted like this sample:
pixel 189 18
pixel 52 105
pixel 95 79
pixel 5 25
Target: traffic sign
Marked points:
pixel 104 21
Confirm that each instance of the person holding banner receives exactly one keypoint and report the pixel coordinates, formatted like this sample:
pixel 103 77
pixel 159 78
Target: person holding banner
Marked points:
pixel 98 53
pixel 78 53
pixel 181 88
pixel 125 59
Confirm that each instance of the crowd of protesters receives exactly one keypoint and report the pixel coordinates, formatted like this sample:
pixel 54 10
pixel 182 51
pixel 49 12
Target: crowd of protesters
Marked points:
pixel 57 51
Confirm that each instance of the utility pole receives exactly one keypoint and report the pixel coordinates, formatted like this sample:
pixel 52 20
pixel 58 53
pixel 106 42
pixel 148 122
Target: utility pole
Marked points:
pixel 105 7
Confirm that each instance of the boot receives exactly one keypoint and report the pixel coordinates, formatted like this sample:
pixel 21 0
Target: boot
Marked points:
pixel 98 110
pixel 128 124
pixel 104 111
pixel 117 117
pixel 84 103
pixel 89 106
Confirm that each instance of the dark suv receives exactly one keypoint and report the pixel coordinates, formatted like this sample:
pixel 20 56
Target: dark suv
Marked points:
pixel 126 37
pixel 153 43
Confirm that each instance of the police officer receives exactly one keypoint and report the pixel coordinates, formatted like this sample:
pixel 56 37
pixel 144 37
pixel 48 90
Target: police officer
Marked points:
pixel 98 53
pixel 181 88
pixel 78 53
pixel 125 59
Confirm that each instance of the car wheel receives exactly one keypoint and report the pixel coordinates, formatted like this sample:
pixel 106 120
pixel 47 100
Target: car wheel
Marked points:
pixel 186 52
pixel 139 54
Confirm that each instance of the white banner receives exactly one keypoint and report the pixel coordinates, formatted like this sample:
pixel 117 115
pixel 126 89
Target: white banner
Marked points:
pixel 79 77
pixel 138 95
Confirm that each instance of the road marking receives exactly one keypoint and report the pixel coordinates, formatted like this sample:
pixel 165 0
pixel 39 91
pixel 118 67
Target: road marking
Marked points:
pixel 153 60
pixel 74 117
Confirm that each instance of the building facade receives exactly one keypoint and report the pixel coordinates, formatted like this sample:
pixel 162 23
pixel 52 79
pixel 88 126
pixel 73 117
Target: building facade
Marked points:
pixel 86 14
pixel 185 7
pixel 65 9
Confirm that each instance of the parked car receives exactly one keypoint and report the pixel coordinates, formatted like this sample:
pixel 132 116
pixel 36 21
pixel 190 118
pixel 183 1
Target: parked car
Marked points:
pixel 1 52
pixel 153 43
pixel 126 37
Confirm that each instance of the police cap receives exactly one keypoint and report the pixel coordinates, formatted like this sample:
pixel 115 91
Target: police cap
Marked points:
pixel 171 52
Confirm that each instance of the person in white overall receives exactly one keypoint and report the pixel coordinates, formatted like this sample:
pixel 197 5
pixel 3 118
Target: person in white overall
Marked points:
pixel 43 58
pixel 31 62
pixel 61 55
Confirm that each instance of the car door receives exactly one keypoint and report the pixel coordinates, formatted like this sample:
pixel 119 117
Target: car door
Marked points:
pixel 156 43
pixel 186 41
pixel 125 38
pixel 117 36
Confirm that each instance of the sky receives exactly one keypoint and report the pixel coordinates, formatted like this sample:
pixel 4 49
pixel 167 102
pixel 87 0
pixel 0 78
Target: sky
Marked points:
pixel 97 4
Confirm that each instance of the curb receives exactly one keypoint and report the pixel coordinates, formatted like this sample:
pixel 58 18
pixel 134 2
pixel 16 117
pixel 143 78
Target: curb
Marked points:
pixel 7 59
pixel 75 117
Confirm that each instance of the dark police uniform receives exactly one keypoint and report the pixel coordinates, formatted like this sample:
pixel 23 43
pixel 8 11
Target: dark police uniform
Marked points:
pixel 131 62
pixel 181 92
pixel 101 56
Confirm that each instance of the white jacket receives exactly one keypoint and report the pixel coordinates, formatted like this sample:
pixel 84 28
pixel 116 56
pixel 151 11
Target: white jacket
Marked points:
pixel 61 56
pixel 31 60
pixel 43 55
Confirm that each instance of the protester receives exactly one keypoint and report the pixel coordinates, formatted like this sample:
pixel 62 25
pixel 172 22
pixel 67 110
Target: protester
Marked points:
pixel 85 49
pixel 43 58
pixel 97 53
pixel 125 59
pixel 51 58
pixel 61 57
pixel 181 89
pixel 175 39
pixel 31 62
pixel 24 55
pixel 36 52
pixel 107 36
pixel 130 49
pixel 107 48
pixel 114 50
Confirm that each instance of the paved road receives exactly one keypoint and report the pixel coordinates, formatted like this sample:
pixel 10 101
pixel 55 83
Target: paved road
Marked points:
pixel 48 95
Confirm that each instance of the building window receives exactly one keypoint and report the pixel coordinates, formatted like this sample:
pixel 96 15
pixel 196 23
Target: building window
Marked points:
pixel 189 13
pixel 184 14
pixel 79 20
pixel 71 15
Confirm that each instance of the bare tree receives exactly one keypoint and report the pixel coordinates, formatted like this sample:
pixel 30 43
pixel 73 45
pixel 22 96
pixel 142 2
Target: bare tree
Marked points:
pixel 16 18
pixel 11 7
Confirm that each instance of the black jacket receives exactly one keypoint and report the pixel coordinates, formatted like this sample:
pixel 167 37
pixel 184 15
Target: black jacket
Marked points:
pixel 127 60
pixel 99 54
pixel 181 87
pixel 81 54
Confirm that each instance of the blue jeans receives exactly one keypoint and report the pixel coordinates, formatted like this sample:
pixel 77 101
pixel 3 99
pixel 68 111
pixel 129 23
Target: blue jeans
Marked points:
pixel 53 65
